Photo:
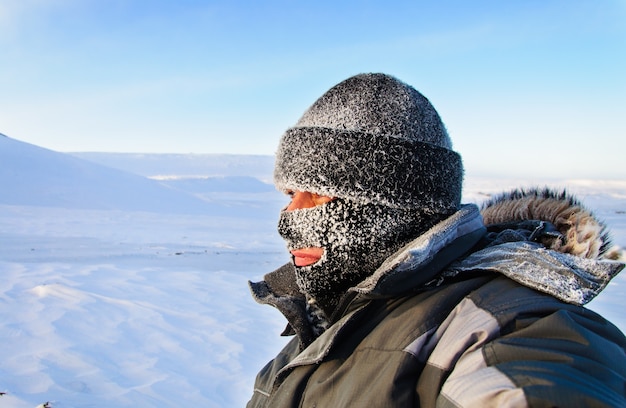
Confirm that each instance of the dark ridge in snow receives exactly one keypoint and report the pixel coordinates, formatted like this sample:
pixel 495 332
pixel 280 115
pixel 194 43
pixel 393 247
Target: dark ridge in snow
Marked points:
pixel 220 184
pixel 35 176
pixel 198 165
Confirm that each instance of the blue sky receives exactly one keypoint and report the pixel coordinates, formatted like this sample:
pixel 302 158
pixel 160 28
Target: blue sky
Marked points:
pixel 527 87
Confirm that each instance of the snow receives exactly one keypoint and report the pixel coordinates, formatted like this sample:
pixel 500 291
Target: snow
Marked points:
pixel 124 277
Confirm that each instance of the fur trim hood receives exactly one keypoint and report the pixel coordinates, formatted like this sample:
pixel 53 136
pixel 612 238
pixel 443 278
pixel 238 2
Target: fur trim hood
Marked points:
pixel 548 241
pixel 580 233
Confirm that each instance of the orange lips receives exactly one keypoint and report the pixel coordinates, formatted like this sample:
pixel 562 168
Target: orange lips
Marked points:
pixel 306 256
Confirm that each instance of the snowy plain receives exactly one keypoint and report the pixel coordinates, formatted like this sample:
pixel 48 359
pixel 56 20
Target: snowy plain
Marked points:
pixel 124 276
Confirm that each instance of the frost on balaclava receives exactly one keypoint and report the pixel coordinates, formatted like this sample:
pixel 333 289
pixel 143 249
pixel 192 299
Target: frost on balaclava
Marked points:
pixel 380 148
pixel 356 239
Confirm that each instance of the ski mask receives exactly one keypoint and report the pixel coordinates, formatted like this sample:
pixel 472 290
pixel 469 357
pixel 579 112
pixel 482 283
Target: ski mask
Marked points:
pixel 356 239
pixel 379 147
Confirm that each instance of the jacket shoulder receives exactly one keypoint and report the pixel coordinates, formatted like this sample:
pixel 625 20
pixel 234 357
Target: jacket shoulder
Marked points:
pixel 506 343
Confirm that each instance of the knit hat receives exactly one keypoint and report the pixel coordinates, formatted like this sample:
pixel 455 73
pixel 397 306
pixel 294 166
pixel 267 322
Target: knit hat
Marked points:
pixel 372 138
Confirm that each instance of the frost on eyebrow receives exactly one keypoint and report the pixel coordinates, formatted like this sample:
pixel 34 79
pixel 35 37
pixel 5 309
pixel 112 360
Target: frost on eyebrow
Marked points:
pixel 306 199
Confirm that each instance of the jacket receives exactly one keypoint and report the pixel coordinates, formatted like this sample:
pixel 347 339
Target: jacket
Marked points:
pixel 472 313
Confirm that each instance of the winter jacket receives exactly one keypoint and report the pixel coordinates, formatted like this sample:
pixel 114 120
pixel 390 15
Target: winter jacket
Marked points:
pixel 466 315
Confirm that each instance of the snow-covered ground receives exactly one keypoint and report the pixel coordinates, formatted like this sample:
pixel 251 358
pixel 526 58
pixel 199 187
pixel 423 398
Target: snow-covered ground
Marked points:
pixel 119 290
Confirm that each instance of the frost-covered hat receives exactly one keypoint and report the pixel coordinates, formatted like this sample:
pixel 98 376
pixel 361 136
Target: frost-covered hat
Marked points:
pixel 372 139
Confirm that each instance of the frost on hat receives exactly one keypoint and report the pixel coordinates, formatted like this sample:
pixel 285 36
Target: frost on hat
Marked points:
pixel 372 139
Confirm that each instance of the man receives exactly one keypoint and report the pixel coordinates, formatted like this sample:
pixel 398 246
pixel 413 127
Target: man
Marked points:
pixel 400 296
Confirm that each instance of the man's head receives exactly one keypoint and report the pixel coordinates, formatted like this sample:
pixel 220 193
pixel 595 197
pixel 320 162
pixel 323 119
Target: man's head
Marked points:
pixel 379 149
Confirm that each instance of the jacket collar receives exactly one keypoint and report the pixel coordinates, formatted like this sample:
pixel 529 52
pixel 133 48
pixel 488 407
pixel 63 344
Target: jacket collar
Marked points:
pixel 410 268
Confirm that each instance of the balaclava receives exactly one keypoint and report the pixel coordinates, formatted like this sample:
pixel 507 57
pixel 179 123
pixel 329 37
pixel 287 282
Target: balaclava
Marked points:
pixel 379 147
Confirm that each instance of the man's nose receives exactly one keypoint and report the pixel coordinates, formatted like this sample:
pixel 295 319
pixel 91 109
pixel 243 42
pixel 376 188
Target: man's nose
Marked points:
pixel 300 200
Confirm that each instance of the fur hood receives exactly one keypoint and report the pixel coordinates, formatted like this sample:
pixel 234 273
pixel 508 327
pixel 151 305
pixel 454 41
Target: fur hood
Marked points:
pixel 580 233
pixel 548 241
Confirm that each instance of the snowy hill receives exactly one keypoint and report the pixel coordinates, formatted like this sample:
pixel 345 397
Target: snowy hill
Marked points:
pixel 31 175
